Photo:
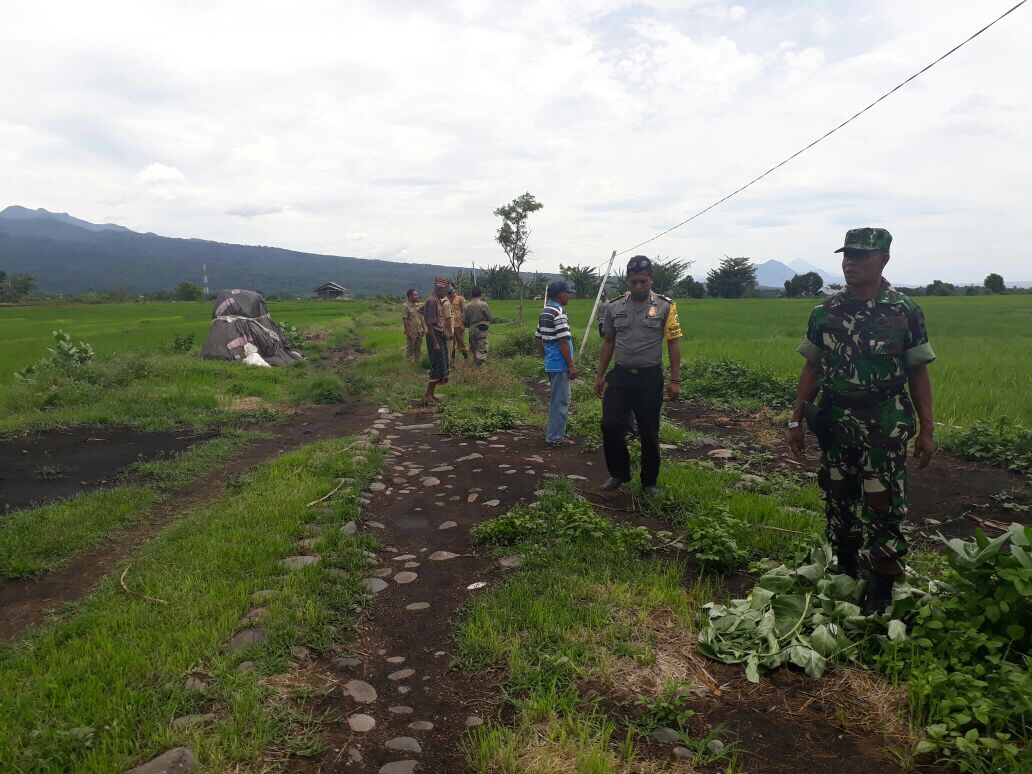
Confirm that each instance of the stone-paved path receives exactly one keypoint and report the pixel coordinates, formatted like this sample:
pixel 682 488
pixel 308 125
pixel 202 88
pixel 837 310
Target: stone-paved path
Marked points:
pixel 400 705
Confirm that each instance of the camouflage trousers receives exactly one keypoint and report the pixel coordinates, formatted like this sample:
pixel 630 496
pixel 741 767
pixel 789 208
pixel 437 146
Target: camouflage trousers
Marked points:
pixel 865 500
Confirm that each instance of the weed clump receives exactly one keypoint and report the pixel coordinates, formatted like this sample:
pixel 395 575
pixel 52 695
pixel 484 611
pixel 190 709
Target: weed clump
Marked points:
pixel 477 421
pixel 322 389
pixel 1004 443
pixel 514 344
pixel 559 517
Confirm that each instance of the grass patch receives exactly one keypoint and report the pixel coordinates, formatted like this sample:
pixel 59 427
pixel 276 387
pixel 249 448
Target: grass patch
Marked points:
pixel 587 609
pixel 729 526
pixel 735 384
pixel 96 691
pixel 38 540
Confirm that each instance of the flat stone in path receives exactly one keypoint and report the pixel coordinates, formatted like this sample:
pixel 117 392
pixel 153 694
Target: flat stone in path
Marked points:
pixel 375 525
pixel 511 562
pixel 470 457
pixel 400 709
pixel 398 767
pixel 347 661
pixel 403 557
pixel 350 528
pixel 360 691
pixel 440 556
pixel 396 660
pixel 297 562
pixel 415 427
pixel 492 503
pixel 375 584
pixel 418 606
pixel 377 487
pixel 472 721
pixel 382 572
pixel 472 497
pixel 178 760
pixel 405 577
pixel 246 639
pixel 430 481
pixel 300 651
pixel 401 674
pixel 361 723
pixel 448 525
pixel 421 725
pixel 442 468
pixel 406 743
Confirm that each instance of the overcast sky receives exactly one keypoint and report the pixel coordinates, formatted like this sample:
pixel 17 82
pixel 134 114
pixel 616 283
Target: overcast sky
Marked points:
pixel 393 129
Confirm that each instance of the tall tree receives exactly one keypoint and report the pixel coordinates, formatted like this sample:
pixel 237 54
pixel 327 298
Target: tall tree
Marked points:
pixel 994 283
pixel 690 287
pixel 733 278
pixel 513 235
pixel 463 281
pixel 14 287
pixel 498 282
pixel 667 273
pixel 585 279
pixel 808 284
pixel 538 285
pixel 187 291
pixel 940 288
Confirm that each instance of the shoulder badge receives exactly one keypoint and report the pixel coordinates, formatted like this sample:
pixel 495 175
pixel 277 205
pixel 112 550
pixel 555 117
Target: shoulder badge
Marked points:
pixel 665 298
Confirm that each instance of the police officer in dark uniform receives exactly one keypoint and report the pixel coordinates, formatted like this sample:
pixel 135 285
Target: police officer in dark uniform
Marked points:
pixel 635 327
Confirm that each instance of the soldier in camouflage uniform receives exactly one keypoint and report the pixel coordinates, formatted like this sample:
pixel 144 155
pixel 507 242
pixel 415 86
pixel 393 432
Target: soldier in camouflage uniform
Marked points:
pixel 864 347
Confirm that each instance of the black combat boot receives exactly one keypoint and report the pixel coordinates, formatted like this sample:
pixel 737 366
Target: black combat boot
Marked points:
pixel 465 355
pixel 849 563
pixel 879 594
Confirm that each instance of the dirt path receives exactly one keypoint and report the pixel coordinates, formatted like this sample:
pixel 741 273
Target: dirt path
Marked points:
pixel 26 602
pixel 396 702
pixel 949 491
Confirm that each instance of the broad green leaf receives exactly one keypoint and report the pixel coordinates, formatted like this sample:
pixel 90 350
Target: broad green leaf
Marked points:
pixel 752 670
pixel 778 580
pixel 760 598
pixel 823 641
pixel 789 610
pixel 897 630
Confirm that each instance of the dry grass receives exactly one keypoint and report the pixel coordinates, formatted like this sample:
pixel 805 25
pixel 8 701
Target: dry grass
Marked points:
pixel 870 703
pixel 674 657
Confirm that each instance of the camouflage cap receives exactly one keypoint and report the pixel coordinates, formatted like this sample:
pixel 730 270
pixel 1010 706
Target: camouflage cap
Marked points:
pixel 867 239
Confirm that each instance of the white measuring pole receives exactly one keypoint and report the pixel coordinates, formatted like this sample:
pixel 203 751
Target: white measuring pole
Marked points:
pixel 598 298
pixel 474 265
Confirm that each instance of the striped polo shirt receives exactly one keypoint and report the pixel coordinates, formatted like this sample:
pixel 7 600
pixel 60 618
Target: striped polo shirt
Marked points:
pixel 553 327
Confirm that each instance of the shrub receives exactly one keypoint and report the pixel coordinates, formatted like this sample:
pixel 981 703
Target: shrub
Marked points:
pixel 515 344
pixel 321 389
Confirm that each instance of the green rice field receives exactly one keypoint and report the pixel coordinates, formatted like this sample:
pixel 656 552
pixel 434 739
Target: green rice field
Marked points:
pixel 984 344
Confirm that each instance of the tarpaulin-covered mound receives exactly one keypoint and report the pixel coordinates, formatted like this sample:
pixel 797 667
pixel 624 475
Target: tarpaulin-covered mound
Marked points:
pixel 241 329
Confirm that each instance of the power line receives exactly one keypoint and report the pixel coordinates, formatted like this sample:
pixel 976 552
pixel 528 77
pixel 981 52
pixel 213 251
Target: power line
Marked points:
pixel 849 120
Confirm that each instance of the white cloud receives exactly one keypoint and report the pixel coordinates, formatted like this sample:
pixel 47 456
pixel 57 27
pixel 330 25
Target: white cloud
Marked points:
pixel 394 129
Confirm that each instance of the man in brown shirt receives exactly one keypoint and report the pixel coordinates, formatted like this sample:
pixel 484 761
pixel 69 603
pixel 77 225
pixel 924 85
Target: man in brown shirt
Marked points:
pixel 458 309
pixel 436 339
pixel 415 327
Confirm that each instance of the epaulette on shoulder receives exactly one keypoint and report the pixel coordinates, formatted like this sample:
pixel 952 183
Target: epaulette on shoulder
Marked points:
pixel 668 299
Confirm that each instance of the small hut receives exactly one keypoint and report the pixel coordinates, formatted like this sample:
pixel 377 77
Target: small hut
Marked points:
pixel 331 291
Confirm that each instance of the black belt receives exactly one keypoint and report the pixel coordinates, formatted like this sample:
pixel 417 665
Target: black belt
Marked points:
pixel 642 370
pixel 860 400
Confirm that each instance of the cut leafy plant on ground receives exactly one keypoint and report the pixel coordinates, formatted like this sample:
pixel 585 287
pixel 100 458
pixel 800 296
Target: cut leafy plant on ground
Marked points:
pixel 961 644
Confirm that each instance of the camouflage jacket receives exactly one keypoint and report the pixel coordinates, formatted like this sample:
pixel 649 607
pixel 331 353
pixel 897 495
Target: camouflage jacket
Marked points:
pixel 864 349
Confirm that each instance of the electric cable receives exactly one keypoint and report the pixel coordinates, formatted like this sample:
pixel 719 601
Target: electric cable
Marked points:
pixel 824 136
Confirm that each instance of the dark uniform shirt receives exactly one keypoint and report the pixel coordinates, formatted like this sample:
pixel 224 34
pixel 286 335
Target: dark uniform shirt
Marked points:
pixel 640 328
pixel 477 311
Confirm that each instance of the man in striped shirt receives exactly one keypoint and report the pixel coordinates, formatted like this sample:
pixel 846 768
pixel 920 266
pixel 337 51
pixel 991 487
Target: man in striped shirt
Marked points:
pixel 555 342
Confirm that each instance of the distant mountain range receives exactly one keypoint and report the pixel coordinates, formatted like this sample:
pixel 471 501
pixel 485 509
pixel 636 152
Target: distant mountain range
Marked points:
pixel 69 255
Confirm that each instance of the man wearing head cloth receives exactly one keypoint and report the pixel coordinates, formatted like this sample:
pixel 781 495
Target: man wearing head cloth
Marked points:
pixel 865 347
pixel 636 325
pixel 436 339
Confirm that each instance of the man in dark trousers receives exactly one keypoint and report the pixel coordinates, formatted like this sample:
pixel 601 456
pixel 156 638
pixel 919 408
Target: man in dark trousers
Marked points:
pixel 436 318
pixel 864 347
pixel 635 328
